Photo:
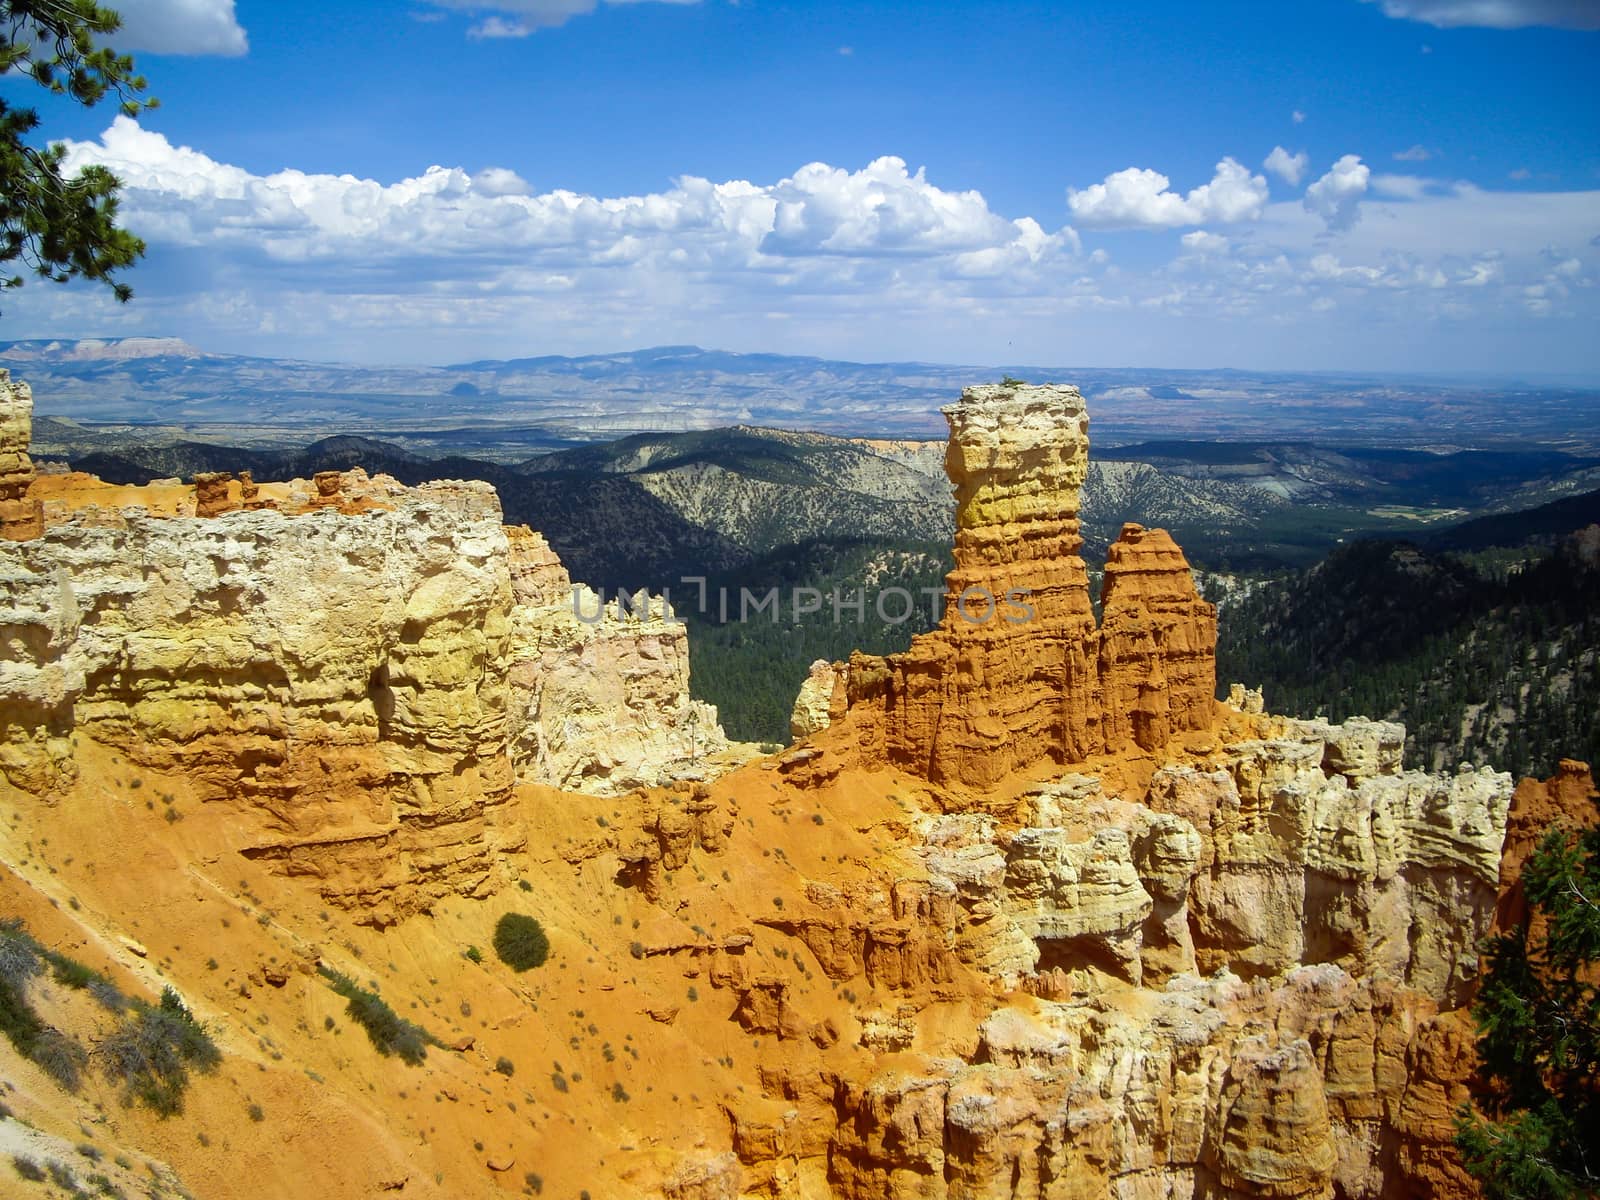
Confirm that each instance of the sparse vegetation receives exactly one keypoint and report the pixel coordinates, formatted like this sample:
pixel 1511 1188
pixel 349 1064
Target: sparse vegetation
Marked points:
pixel 504 1066
pixel 153 1050
pixel 520 942
pixel 389 1032
pixel 1538 1017
pixel 21 960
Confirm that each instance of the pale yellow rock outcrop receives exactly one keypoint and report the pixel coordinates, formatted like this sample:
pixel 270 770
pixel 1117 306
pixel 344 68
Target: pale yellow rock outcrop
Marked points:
pixel 362 670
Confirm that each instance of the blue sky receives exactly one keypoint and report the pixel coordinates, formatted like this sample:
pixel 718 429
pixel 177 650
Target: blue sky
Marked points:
pixel 1370 184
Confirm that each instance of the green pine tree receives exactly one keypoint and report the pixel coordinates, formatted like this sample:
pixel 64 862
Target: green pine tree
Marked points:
pixel 1538 1016
pixel 59 227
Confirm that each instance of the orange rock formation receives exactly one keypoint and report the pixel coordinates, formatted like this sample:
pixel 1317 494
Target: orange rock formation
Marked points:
pixel 1019 671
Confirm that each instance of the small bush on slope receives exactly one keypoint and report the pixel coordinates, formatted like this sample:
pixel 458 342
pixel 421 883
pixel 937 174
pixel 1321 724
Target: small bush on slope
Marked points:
pixel 389 1032
pixel 21 959
pixel 520 942
pixel 152 1050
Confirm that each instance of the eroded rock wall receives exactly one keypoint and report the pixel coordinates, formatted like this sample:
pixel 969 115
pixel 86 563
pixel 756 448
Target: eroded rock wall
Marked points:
pixel 600 690
pixel 362 670
pixel 331 676
pixel 1245 976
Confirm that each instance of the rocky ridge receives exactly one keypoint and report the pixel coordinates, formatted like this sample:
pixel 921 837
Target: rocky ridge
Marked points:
pixel 361 670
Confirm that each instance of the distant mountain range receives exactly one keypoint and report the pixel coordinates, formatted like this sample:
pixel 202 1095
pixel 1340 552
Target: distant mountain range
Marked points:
pixel 642 509
pixel 507 410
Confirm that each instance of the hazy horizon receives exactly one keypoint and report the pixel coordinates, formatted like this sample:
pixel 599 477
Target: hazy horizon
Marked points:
pixel 1325 187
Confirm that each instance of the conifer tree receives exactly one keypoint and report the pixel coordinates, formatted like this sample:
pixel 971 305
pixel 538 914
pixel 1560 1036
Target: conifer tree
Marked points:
pixel 1538 1016
pixel 57 227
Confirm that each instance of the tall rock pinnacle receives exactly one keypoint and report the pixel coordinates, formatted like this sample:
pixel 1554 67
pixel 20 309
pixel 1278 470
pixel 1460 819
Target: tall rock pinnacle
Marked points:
pixel 1019 671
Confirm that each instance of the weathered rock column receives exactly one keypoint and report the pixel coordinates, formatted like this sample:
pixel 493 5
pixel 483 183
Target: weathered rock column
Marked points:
pixel 1017 671
pixel 21 517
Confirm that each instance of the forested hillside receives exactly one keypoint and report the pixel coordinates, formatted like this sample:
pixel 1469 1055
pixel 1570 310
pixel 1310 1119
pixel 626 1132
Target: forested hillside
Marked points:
pixel 1488 656
pixel 751 669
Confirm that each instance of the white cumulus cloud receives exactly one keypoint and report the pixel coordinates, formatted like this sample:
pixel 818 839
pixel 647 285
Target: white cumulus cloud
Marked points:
pixel 1495 14
pixel 1291 168
pixel 1140 197
pixel 180 27
pixel 518 18
pixel 1337 195
pixel 493 223
pixel 1203 242
pixel 870 263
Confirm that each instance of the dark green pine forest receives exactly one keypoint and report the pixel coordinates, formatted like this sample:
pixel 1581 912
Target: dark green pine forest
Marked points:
pixel 1487 656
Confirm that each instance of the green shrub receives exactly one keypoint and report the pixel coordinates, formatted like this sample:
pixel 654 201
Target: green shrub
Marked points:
pixel 473 954
pixel 71 973
pixel 61 1057
pixel 61 1175
pixel 21 959
pixel 520 942
pixel 389 1032
pixel 19 954
pixel 27 1168
pixel 505 1067
pixel 152 1051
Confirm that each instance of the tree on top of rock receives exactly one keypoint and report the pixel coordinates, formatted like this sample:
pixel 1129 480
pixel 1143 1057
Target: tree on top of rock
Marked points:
pixel 1538 1015
pixel 59 228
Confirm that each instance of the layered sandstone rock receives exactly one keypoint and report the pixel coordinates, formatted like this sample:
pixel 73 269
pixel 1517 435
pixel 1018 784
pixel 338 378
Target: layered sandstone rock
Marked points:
pixel 21 516
pixel 1316 847
pixel 1019 671
pixel 1246 977
pixel 360 669
pixel 324 674
pixel 600 690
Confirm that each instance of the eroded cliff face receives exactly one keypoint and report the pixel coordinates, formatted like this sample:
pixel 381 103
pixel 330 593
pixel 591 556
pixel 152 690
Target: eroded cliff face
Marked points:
pixel 599 690
pixel 361 671
pixel 1019 671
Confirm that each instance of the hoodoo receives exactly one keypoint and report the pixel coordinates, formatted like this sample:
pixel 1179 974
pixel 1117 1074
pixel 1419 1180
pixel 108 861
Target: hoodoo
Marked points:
pixel 1019 671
